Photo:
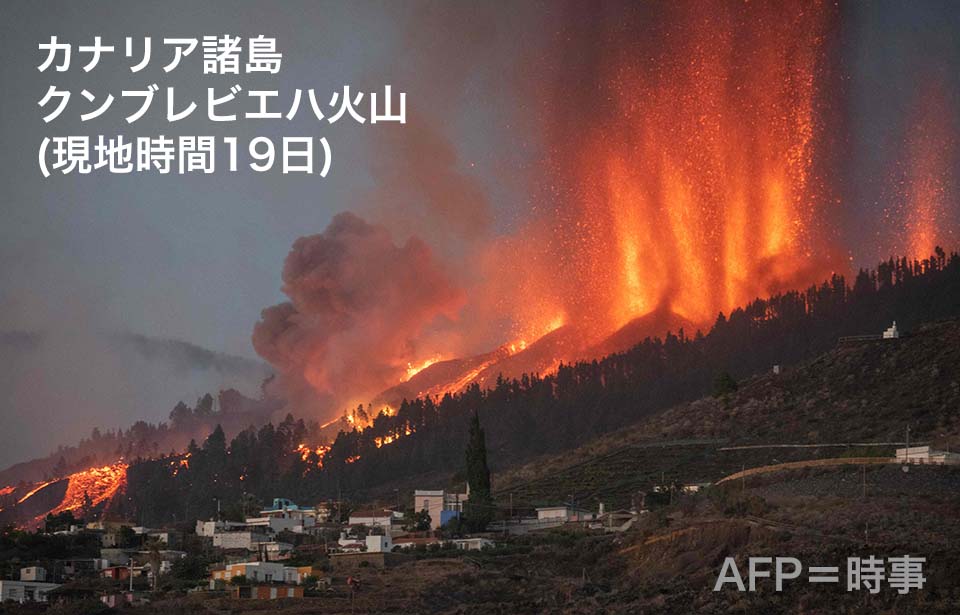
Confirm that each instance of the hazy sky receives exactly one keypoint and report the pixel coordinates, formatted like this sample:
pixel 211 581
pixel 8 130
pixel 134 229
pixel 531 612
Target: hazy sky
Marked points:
pixel 193 257
pixel 197 257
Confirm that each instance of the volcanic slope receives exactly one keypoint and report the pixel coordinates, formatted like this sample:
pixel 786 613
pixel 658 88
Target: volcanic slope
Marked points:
pixel 842 403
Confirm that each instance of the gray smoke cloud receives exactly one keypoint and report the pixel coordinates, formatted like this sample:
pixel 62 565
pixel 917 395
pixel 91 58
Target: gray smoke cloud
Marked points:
pixel 357 305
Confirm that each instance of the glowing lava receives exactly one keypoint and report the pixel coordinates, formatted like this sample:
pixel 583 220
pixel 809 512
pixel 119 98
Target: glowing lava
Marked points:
pixel 413 370
pixel 690 185
pixel 34 491
pixel 92 487
pixel 926 189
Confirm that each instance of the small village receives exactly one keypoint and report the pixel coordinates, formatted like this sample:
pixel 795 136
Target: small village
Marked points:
pixel 286 550
pixel 292 551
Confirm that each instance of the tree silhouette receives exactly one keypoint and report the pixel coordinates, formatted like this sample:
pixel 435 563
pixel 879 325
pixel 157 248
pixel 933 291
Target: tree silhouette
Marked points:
pixel 479 506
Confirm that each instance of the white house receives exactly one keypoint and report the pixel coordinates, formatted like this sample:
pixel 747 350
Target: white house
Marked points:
pixel 440 505
pixel 239 540
pixel 261 572
pixel 275 549
pixel 277 524
pixel 925 454
pixel 379 544
pixel 350 543
pixel 209 528
pixel 473 544
pixel 25 591
pixel 892 332
pixel 563 513
pixel 284 514
pixel 33 573
pixel 375 518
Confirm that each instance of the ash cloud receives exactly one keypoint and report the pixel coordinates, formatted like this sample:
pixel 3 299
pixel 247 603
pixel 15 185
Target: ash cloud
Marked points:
pixel 358 302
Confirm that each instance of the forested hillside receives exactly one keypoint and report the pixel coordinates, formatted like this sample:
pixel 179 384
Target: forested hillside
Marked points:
pixel 533 415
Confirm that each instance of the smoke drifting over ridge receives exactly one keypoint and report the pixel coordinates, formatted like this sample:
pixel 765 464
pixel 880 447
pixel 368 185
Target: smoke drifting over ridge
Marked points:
pixel 358 305
pixel 60 379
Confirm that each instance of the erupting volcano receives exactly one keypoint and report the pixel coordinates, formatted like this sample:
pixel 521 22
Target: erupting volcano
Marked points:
pixel 691 187
pixel 689 165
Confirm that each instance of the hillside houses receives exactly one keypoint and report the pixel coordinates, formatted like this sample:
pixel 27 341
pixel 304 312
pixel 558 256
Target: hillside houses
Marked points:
pixel 442 506
pixel 32 586
pixel 259 534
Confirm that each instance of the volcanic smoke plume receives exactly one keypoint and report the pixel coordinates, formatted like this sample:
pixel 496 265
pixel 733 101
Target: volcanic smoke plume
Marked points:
pixel 690 161
pixel 358 303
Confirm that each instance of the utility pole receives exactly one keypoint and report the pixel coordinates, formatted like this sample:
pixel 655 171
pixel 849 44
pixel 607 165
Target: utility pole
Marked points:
pixel 131 574
pixel 864 469
pixel 906 452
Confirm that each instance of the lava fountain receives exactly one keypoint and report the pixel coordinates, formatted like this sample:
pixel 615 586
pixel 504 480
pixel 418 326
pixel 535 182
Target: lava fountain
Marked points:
pixel 926 189
pixel 690 185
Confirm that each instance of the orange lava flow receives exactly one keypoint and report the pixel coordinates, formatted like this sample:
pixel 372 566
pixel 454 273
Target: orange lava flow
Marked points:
pixel 92 487
pixel 413 370
pixel 34 491
pixel 694 187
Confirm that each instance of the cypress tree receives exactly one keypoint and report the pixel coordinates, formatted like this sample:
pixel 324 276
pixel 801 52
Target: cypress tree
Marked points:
pixel 479 508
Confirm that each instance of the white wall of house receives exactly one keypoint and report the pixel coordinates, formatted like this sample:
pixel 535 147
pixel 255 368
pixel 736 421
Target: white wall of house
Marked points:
pixel 33 573
pixel 384 520
pixel 437 501
pixel 553 512
pixel 25 591
pixel 473 544
pixel 256 571
pixel 379 544
pixel 238 540
pixel 925 454
pixel 209 528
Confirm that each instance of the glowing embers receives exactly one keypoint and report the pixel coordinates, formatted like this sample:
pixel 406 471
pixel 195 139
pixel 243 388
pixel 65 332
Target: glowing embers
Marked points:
pixel 380 441
pixel 179 463
pixel 360 418
pixel 314 454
